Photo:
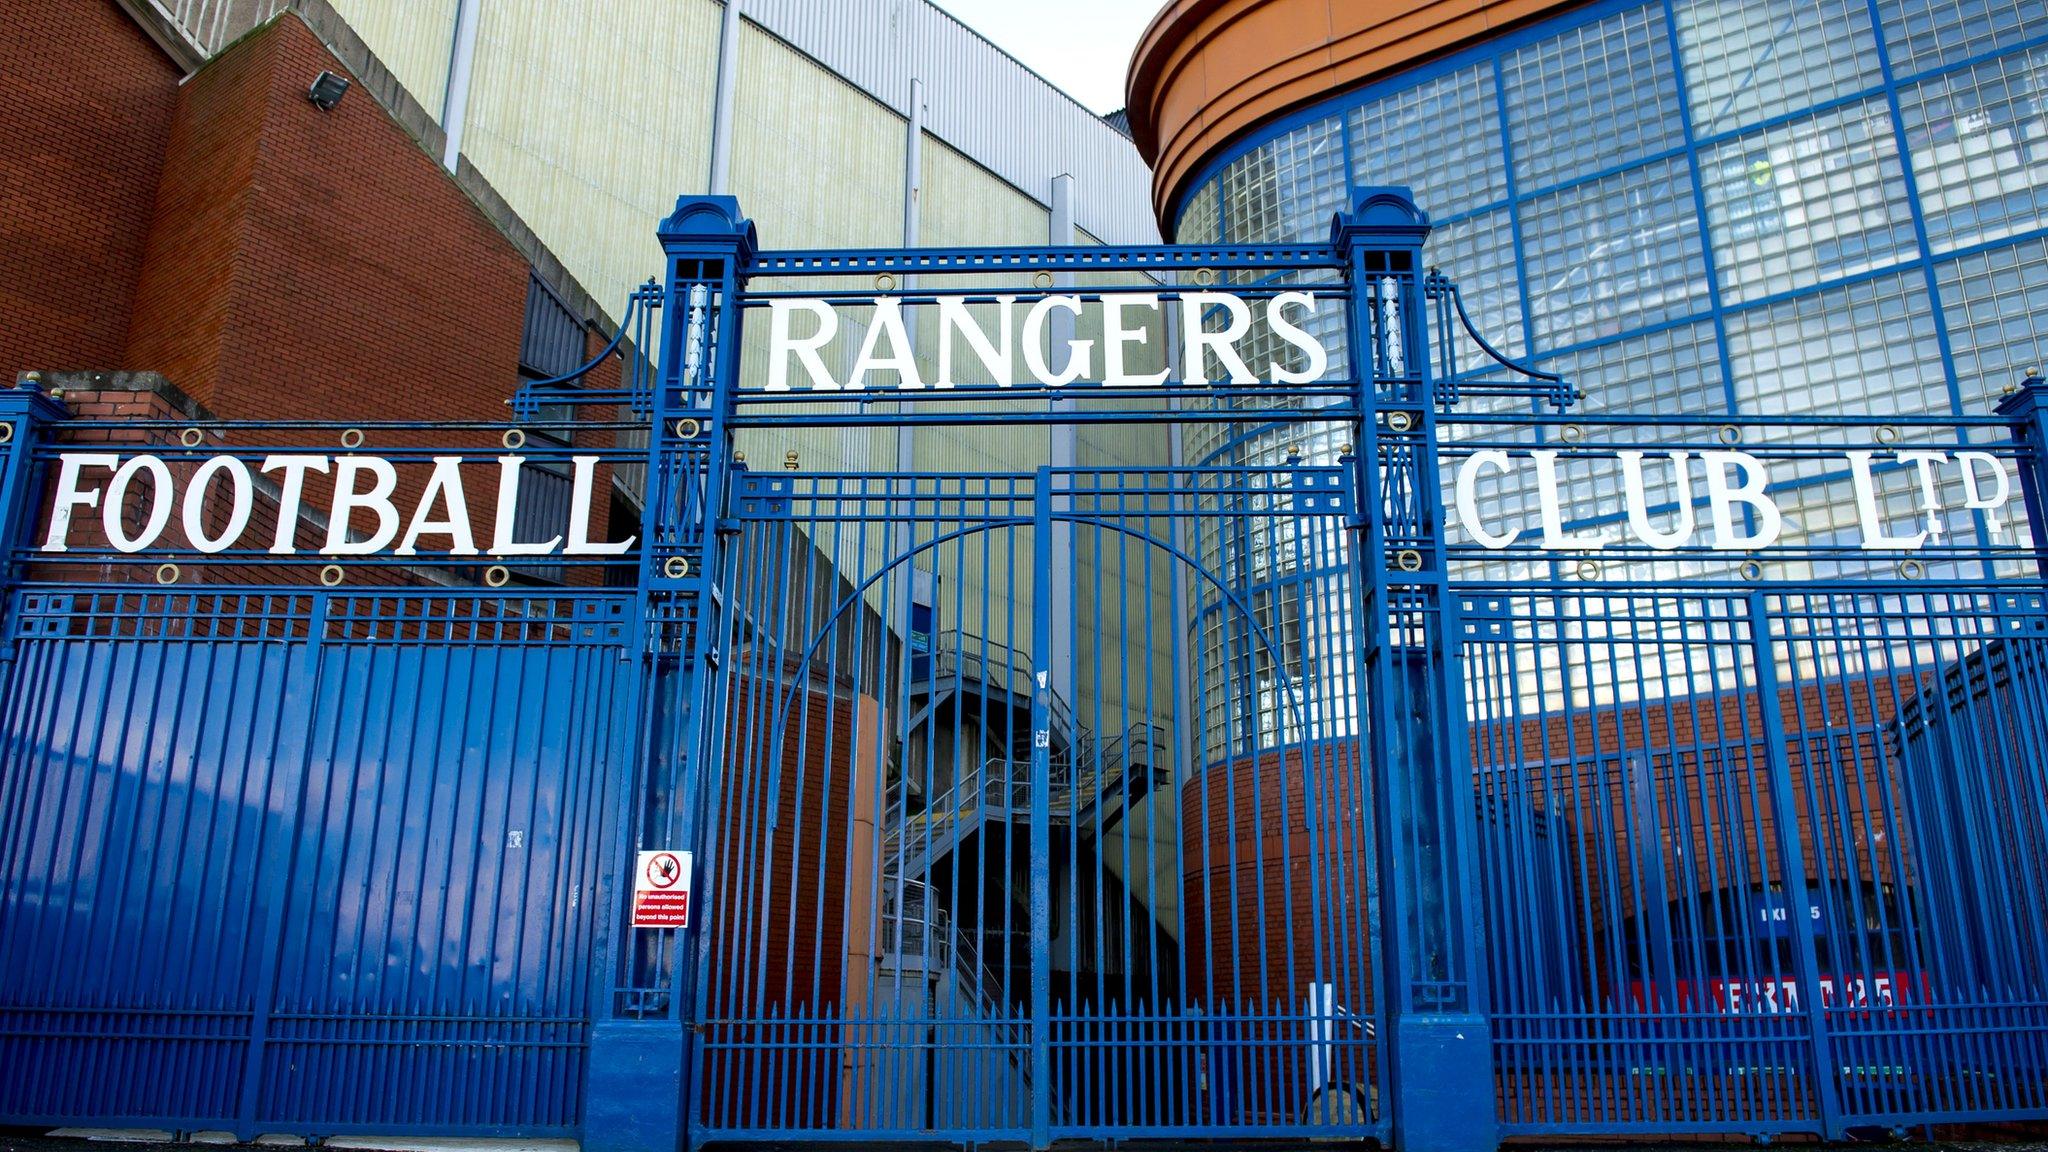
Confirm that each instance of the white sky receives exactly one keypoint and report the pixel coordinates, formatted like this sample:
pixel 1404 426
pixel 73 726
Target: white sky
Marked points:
pixel 1082 46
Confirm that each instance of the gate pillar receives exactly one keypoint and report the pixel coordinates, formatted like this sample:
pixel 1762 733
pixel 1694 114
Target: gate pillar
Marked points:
pixel 641 1046
pixel 25 412
pixel 2026 406
pixel 1411 706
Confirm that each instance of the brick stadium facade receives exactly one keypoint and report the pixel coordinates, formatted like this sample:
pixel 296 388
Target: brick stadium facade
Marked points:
pixel 222 248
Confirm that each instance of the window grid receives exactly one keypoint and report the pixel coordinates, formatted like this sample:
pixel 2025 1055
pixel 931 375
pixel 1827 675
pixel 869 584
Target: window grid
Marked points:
pixel 1979 142
pixel 1478 254
pixel 1926 34
pixel 1592 97
pixel 1811 200
pixel 1749 61
pixel 1440 138
pixel 1996 306
pixel 1823 272
pixel 1814 354
pixel 1620 253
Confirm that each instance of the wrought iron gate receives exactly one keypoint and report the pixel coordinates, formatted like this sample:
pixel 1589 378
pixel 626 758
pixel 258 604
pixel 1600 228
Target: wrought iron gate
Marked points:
pixel 1258 778
pixel 959 892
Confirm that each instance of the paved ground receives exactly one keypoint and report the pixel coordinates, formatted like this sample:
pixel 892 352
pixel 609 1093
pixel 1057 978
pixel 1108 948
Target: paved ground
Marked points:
pixel 18 1140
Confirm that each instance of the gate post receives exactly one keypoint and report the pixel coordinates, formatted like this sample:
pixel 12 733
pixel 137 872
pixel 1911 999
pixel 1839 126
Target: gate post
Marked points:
pixel 1412 712
pixel 639 1088
pixel 25 410
pixel 2027 408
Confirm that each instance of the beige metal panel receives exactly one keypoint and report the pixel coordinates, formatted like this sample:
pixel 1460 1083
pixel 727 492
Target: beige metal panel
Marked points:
pixel 963 205
pixel 978 99
pixel 590 119
pixel 412 37
pixel 966 204
pixel 815 161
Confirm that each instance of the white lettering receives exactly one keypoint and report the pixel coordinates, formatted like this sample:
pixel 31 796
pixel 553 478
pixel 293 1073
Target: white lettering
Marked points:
pixel 117 495
pixel 1034 337
pixel 1722 496
pixel 1930 487
pixel 290 492
pixel 1868 517
pixel 348 501
pixel 955 318
pixel 585 470
pixel 1554 535
pixel 1467 497
pixel 508 512
pixel 240 495
pixel 1973 494
pixel 1115 336
pixel 901 356
pixel 69 498
pixel 1237 322
pixel 444 485
pixel 1634 494
pixel 1318 357
pixel 781 346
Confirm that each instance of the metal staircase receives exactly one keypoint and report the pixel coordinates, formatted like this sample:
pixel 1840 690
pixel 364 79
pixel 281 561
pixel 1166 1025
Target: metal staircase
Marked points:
pixel 1093 782
pixel 1092 785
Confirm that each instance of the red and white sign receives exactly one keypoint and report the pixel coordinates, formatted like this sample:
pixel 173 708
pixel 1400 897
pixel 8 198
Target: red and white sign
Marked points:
pixel 661 890
pixel 1771 995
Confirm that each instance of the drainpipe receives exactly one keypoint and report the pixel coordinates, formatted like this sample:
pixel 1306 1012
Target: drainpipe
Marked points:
pixel 721 101
pixel 455 101
pixel 1064 454
pixel 913 201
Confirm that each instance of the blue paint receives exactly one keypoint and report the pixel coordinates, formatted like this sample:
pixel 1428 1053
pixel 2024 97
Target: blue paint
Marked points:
pixel 952 882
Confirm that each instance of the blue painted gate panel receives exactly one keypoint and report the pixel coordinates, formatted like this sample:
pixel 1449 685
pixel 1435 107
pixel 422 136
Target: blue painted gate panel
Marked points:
pixel 294 867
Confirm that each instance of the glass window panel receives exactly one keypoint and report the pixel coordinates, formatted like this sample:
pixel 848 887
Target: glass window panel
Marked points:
pixel 1673 370
pixel 1996 306
pixel 1619 253
pixel 1478 254
pixel 1287 188
pixel 1807 201
pixel 1198 222
pixel 1867 348
pixel 1979 142
pixel 1749 61
pixel 1441 138
pixel 1593 97
pixel 1925 34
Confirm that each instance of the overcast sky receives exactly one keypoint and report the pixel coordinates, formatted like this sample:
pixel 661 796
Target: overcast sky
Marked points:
pixel 1082 46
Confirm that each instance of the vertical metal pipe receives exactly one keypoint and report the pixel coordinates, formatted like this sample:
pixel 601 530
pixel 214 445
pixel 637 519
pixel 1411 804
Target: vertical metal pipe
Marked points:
pixel 1040 824
pixel 913 198
pixel 721 100
pixel 455 101
pixel 1064 450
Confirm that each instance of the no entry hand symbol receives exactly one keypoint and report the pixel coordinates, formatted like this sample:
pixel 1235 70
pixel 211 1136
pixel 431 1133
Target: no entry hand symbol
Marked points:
pixel 661 890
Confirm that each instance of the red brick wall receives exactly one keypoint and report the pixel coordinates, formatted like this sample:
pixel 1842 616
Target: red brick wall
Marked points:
pixel 308 264
pixel 793 905
pixel 88 102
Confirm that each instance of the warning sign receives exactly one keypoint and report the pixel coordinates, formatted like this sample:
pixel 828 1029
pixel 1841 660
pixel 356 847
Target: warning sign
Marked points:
pixel 661 890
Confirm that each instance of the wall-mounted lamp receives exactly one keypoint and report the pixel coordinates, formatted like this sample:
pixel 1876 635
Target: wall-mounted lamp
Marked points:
pixel 327 91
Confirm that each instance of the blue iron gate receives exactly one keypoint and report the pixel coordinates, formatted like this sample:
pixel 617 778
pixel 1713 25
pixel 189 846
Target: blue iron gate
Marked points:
pixel 1373 747
pixel 278 861
pixel 958 894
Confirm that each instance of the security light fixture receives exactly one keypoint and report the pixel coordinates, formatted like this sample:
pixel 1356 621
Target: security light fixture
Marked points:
pixel 327 91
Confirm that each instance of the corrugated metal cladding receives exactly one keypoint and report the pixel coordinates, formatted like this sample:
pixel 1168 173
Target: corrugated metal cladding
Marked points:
pixel 977 99
pixel 552 343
